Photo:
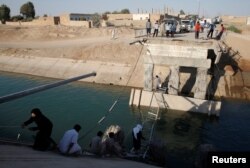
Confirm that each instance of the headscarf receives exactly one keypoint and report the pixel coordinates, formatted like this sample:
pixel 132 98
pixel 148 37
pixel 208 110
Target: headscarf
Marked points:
pixel 136 130
pixel 36 111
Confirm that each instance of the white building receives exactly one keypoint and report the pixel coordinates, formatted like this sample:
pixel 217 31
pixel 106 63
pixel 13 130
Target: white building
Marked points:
pixel 248 20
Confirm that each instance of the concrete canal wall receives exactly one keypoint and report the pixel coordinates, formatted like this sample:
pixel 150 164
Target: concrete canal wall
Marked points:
pixel 62 68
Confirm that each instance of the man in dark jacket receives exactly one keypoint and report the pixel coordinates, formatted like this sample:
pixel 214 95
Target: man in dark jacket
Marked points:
pixel 44 128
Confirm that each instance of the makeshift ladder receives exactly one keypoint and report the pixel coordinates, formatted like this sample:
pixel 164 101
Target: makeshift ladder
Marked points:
pixel 151 119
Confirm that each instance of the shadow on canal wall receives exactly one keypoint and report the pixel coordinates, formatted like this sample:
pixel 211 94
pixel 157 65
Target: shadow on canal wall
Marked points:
pixel 227 78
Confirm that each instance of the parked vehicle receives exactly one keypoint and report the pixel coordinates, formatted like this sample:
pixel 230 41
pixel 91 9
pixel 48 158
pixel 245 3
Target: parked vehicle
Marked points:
pixel 173 22
pixel 186 26
pixel 217 20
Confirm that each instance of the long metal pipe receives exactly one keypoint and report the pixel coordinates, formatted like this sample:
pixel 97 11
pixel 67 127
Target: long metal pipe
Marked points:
pixel 30 91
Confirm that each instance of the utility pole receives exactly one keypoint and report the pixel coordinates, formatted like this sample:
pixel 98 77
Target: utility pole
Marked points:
pixel 41 88
pixel 198 8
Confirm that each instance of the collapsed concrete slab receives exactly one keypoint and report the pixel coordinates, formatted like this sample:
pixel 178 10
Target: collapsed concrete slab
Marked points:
pixel 157 99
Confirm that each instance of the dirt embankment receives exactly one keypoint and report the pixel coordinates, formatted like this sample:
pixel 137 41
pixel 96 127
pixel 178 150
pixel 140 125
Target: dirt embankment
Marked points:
pixel 236 81
pixel 69 42
pixel 239 44
pixel 44 33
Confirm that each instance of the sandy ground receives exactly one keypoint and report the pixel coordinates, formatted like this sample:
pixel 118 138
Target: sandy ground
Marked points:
pixel 64 42
pixel 239 42
pixel 240 45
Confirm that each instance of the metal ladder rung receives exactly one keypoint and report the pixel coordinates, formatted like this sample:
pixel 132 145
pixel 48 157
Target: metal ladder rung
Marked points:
pixel 152 118
pixel 152 114
pixel 162 88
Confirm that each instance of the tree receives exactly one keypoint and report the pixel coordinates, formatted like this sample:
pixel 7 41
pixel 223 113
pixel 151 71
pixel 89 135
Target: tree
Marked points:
pixel 4 13
pixel 16 18
pixel 96 19
pixel 28 10
pixel 115 12
pixel 105 15
pixel 125 11
pixel 107 12
pixel 182 12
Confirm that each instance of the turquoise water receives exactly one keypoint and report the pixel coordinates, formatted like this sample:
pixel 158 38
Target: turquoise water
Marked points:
pixel 81 103
pixel 86 103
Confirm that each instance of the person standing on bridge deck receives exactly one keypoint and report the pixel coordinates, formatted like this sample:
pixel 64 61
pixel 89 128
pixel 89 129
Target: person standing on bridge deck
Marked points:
pixel 173 29
pixel 197 29
pixel 68 145
pixel 211 30
pixel 137 137
pixel 156 27
pixel 44 128
pixel 168 29
pixel 162 28
pixel 222 29
pixel 148 28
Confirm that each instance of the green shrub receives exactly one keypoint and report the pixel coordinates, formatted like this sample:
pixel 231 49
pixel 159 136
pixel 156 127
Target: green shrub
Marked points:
pixel 29 19
pixel 234 29
pixel 16 18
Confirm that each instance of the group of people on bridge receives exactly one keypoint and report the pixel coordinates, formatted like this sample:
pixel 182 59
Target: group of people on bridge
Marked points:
pixel 211 27
pixel 168 29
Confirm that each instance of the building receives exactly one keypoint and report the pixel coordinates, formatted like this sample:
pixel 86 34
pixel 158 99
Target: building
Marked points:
pixel 75 19
pixel 112 17
pixel 71 19
pixel 133 20
pixel 80 17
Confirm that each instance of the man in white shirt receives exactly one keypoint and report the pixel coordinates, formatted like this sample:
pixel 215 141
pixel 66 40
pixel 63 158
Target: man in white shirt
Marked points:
pixel 156 27
pixel 148 27
pixel 68 144
pixel 167 28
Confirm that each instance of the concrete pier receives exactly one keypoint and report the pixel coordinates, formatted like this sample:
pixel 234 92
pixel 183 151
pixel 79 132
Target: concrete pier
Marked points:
pixel 174 102
pixel 201 84
pixel 148 76
pixel 174 80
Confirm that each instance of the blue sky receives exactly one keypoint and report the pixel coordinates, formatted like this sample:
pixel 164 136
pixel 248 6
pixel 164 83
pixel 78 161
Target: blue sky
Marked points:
pixel 209 8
